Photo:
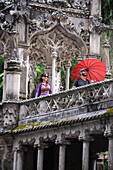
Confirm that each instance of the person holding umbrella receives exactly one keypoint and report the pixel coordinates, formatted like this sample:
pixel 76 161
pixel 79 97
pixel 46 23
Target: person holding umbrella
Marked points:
pixel 82 80
pixel 88 71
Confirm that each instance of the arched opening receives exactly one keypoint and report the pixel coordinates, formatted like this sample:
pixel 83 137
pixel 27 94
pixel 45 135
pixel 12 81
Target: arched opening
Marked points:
pixel 63 44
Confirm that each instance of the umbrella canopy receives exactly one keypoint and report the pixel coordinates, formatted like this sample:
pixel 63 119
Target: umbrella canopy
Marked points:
pixel 96 70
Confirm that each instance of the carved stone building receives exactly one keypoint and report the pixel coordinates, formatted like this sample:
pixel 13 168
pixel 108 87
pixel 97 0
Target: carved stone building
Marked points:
pixel 67 129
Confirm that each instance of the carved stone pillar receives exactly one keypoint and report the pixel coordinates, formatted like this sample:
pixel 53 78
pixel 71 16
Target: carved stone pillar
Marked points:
pixel 20 159
pixel 96 7
pixel 105 59
pixel 54 56
pixel 95 20
pixel 40 157
pixel 40 154
pixel 15 160
pixel 85 156
pixel 110 156
pixel 67 75
pixel 13 80
pixel 62 148
pixel 62 157
pixel 85 153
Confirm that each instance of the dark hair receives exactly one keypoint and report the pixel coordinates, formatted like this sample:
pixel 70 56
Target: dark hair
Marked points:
pixel 41 80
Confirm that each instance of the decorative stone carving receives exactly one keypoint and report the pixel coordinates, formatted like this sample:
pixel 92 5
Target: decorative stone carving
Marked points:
pixel 96 26
pixel 10 113
pixel 73 98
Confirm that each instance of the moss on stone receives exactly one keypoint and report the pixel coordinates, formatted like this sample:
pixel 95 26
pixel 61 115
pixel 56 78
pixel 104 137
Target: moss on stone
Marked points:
pixel 109 111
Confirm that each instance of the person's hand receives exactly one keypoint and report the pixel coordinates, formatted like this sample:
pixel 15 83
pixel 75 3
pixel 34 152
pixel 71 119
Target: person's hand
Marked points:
pixel 92 81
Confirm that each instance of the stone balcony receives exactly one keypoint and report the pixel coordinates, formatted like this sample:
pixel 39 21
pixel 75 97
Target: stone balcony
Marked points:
pixel 80 104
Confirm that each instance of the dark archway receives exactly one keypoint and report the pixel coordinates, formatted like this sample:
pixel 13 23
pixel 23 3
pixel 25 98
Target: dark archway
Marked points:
pixel 51 155
pixel 74 155
pixel 30 158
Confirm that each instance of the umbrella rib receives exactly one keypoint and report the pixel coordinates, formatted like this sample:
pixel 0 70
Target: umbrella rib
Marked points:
pixel 99 75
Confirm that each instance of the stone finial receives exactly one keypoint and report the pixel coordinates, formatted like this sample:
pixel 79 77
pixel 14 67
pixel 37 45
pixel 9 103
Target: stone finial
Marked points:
pixel 106 43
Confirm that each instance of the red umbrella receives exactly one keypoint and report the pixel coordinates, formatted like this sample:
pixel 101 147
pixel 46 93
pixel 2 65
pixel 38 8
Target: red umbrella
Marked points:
pixel 96 70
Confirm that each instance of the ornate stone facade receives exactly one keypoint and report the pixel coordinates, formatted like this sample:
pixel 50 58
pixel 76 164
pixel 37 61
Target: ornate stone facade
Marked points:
pixel 67 129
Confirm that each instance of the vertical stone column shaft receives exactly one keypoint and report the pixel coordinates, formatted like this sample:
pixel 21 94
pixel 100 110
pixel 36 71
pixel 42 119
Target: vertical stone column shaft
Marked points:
pixel 40 158
pixel 15 160
pixel 67 77
pixel 85 156
pixel 54 56
pixel 105 58
pixel 13 80
pixel 110 156
pixel 62 157
pixel 20 161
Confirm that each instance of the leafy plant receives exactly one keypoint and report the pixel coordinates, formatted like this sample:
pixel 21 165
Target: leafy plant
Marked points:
pixel 106 161
pixel 107 11
pixel 39 70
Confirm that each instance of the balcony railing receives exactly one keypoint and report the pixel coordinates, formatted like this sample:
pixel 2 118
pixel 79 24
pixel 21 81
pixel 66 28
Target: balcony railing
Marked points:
pixel 83 99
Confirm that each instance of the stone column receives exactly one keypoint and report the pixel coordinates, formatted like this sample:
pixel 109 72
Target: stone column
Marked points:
pixel 110 156
pixel 40 154
pixel 95 20
pixel 13 80
pixel 62 148
pixel 85 153
pixel 15 160
pixel 85 156
pixel 67 74
pixel 105 58
pixel 62 157
pixel 96 7
pixel 20 159
pixel 54 56
pixel 40 157
pixel 4 81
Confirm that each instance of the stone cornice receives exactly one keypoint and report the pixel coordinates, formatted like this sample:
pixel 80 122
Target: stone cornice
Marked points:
pixel 71 11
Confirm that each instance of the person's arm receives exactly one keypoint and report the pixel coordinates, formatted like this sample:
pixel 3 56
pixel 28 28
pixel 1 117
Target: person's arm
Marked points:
pixel 75 84
pixel 73 87
pixel 50 91
pixel 37 91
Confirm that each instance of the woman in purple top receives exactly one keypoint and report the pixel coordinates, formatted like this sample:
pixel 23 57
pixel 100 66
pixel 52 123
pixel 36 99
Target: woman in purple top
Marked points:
pixel 43 88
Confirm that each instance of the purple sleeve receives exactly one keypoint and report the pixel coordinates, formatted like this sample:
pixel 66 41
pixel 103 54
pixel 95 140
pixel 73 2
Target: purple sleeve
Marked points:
pixel 50 91
pixel 37 91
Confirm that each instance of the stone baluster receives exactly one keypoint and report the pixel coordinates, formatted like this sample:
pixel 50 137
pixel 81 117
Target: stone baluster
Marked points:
pixel 20 159
pixel 54 56
pixel 68 65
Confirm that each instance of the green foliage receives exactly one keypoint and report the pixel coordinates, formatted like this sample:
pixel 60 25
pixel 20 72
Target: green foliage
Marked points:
pixel 73 64
pixel 107 11
pixel 1 76
pixel 106 161
pixel 63 73
pixel 39 70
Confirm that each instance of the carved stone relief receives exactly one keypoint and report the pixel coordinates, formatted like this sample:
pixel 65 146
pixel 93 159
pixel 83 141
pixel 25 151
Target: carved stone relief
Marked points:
pixel 10 113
